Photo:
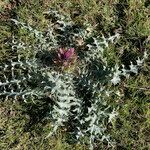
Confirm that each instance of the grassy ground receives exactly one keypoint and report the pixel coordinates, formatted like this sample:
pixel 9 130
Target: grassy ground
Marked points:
pixel 21 130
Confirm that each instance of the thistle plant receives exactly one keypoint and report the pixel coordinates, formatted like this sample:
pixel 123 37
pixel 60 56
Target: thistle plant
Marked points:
pixel 79 96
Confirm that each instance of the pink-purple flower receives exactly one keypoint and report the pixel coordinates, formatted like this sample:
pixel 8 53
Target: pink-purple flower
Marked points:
pixel 66 56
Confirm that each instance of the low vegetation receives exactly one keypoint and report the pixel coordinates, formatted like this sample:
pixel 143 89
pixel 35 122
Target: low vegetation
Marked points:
pixel 95 53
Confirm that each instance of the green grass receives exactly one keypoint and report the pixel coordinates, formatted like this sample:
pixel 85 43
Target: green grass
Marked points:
pixel 131 130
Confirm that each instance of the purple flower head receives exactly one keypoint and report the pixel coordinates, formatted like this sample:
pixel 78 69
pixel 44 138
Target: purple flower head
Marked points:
pixel 65 54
